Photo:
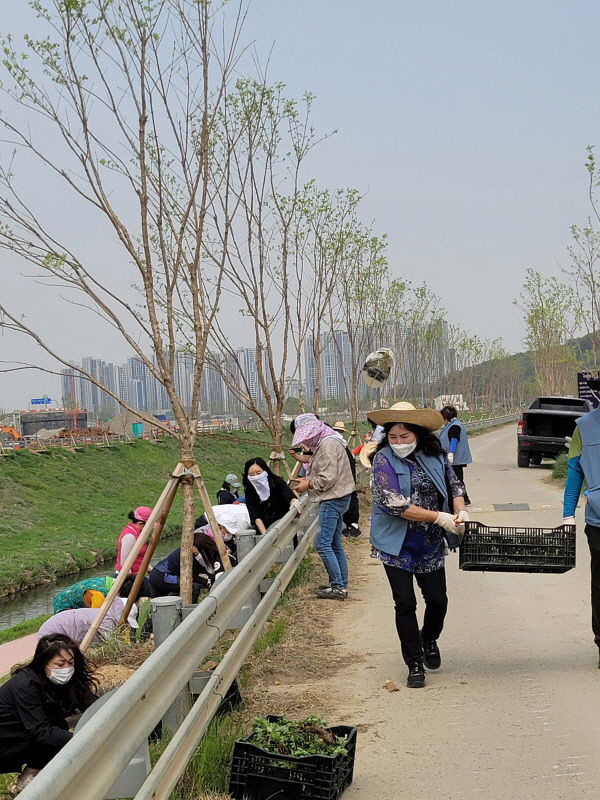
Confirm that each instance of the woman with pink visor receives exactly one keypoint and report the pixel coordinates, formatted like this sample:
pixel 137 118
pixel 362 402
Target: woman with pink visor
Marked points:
pixel 128 538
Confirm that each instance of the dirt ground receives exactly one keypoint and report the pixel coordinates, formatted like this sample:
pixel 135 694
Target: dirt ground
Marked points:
pixel 285 679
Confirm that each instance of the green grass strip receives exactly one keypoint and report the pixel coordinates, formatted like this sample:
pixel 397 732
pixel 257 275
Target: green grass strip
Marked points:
pixel 22 629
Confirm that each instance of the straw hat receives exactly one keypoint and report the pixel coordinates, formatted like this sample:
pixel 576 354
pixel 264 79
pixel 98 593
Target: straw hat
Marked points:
pixel 339 426
pixel 365 454
pixel 405 412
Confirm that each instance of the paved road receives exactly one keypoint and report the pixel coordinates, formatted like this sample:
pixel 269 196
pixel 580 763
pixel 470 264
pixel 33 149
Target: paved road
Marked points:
pixel 514 712
pixel 17 652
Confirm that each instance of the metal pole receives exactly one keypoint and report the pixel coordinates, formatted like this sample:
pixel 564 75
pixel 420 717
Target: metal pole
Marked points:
pixel 166 616
pixel 245 543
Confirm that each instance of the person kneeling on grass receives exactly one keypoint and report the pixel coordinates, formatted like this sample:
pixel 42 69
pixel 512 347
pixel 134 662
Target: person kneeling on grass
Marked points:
pixel 88 593
pixel 35 704
pixel 76 622
pixel 165 577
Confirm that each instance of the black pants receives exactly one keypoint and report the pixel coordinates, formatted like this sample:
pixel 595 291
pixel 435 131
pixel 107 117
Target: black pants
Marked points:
pixel 433 589
pixel 353 513
pixel 161 588
pixel 593 537
pixel 34 755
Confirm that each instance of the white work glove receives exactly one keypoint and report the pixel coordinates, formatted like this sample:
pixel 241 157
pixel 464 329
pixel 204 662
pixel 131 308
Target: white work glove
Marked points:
pixel 568 521
pixel 461 518
pixel 446 521
pixel 450 457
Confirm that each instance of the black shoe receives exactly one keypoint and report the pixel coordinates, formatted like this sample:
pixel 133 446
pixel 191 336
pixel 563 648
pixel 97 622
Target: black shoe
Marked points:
pixel 416 676
pixel 431 653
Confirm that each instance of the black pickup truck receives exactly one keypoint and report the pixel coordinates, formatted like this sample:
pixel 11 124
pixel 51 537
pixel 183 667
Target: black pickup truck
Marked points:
pixel 542 428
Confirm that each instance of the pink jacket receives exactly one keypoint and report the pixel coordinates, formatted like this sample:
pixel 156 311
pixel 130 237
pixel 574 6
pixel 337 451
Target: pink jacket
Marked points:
pixel 130 530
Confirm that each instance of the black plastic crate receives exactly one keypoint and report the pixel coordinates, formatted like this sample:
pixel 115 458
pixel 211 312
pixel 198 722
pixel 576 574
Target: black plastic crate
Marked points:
pixel 257 774
pixel 496 549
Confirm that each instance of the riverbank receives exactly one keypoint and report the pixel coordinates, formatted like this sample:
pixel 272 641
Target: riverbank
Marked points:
pixel 61 512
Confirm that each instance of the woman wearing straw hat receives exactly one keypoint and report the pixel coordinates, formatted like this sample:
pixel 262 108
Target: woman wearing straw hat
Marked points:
pixel 414 488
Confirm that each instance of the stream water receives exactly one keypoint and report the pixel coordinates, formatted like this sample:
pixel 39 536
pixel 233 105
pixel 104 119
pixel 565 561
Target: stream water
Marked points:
pixel 15 608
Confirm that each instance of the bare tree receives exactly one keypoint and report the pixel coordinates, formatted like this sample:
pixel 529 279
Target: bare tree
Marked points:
pixel 120 103
pixel 329 218
pixel 550 319
pixel 358 295
pixel 273 136
pixel 585 278
pixel 419 341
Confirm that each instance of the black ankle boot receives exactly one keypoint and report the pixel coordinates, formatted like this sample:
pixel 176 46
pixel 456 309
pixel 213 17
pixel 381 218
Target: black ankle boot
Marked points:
pixel 416 676
pixel 431 653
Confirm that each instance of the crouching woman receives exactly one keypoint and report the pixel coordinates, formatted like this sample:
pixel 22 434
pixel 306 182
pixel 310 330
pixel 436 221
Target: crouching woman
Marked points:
pixel 414 490
pixel 35 704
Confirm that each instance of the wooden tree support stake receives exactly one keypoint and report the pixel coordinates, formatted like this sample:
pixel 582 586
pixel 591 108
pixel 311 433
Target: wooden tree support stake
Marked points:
pixel 276 459
pixel 158 528
pixel 126 567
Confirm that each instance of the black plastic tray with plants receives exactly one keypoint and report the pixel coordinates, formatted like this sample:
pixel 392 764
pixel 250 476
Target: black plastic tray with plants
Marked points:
pixel 284 759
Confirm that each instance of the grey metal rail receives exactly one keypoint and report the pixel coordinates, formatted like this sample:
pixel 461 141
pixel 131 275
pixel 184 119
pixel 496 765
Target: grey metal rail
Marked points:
pixel 90 763
pixel 490 421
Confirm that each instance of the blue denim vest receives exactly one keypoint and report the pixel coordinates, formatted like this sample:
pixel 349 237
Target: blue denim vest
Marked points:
pixel 462 454
pixel 589 427
pixel 388 531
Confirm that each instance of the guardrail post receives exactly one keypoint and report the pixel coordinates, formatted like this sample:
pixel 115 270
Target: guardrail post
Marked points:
pixel 245 542
pixel 167 614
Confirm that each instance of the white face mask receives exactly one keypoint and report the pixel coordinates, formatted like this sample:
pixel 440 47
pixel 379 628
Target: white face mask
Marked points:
pixel 261 484
pixel 63 675
pixel 403 450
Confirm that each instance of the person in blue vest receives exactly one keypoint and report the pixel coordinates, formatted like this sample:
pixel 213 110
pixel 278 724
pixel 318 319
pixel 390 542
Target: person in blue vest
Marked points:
pixel 453 437
pixel 584 465
pixel 417 510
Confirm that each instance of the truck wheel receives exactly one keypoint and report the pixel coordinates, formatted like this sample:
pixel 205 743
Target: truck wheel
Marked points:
pixel 522 458
pixel 536 460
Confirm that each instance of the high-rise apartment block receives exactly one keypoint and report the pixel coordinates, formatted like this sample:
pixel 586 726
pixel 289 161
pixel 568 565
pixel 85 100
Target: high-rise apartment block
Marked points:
pixel 135 384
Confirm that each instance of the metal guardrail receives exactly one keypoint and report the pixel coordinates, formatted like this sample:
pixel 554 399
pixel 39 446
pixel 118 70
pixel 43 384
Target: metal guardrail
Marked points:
pixel 490 421
pixel 90 763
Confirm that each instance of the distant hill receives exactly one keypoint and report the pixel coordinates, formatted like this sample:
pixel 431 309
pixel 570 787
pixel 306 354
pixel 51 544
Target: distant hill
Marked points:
pixel 517 367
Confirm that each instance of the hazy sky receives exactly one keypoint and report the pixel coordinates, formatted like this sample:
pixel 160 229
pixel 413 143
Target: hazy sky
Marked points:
pixel 465 123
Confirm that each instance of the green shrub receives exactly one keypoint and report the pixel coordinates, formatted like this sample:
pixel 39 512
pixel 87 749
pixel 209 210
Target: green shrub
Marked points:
pixel 560 467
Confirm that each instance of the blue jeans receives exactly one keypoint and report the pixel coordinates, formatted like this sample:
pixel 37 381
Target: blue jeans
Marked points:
pixel 329 540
